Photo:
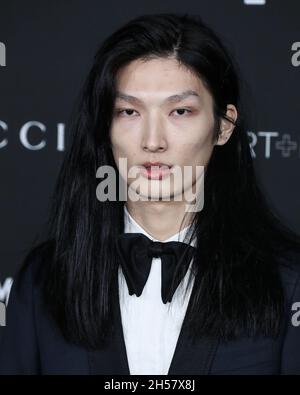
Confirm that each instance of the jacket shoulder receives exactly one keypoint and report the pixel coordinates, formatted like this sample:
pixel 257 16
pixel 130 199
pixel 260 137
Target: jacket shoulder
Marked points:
pixel 19 342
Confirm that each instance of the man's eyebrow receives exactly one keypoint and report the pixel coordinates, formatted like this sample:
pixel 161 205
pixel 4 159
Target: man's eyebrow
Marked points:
pixel 171 99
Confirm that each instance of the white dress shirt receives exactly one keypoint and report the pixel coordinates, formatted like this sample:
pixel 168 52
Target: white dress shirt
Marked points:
pixel 151 328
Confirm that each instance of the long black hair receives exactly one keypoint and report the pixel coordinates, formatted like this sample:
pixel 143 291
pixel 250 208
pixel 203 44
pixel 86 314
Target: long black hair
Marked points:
pixel 237 286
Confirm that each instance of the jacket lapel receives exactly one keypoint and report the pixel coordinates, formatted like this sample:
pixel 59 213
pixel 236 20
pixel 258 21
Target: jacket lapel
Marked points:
pixel 190 358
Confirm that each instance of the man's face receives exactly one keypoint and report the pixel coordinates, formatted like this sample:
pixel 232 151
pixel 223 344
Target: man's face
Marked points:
pixel 152 128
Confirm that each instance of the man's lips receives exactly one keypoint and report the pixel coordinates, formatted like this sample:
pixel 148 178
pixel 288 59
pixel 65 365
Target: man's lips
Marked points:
pixel 157 164
pixel 156 172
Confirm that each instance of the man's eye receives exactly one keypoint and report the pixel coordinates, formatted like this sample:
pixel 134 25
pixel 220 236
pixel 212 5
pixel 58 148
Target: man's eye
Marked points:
pixel 127 112
pixel 182 111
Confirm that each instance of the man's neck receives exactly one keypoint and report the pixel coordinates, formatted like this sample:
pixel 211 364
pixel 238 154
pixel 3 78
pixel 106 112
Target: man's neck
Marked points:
pixel 161 220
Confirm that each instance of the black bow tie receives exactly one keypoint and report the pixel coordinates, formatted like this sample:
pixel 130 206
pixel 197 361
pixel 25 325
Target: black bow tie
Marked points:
pixel 136 252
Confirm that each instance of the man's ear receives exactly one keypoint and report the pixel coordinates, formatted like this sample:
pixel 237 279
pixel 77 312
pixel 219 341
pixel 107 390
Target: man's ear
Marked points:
pixel 226 127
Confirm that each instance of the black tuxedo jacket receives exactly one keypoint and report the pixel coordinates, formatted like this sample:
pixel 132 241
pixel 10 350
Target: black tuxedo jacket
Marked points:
pixel 32 343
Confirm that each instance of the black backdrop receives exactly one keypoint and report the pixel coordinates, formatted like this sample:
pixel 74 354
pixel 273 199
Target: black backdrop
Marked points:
pixel 49 46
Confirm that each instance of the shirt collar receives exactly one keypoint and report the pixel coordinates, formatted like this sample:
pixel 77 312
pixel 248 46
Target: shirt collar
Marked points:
pixel 131 226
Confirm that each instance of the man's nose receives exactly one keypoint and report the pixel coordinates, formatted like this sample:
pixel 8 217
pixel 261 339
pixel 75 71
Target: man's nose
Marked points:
pixel 154 135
